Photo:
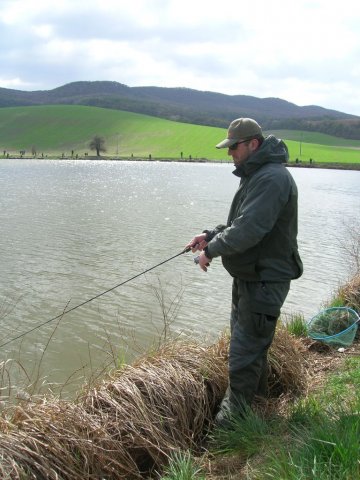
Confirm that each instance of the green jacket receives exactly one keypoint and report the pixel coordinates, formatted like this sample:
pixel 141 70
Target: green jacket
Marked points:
pixel 258 243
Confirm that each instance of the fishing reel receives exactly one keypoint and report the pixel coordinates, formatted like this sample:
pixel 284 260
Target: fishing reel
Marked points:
pixel 197 260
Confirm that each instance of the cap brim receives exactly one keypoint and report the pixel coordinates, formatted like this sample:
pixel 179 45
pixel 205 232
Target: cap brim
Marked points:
pixel 226 143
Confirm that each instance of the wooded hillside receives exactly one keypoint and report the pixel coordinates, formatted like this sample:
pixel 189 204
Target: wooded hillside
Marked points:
pixel 191 106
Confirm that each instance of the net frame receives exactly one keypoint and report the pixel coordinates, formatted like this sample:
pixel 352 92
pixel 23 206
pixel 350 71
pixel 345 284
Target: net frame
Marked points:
pixel 344 337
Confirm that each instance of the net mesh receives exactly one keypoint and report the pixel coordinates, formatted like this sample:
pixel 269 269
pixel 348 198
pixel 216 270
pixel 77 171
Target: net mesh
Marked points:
pixel 335 326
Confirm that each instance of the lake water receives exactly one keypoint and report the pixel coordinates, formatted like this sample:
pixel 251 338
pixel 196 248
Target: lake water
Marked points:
pixel 73 229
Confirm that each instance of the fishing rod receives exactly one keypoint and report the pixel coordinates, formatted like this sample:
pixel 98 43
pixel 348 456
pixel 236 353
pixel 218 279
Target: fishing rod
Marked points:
pixel 186 250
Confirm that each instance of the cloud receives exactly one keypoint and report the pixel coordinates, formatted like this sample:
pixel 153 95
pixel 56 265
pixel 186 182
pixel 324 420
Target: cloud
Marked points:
pixel 305 52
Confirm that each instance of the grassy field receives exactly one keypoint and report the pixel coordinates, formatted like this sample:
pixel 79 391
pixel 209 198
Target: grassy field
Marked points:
pixel 60 129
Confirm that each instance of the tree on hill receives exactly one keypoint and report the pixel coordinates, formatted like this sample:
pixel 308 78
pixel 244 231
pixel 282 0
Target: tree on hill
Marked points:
pixel 97 143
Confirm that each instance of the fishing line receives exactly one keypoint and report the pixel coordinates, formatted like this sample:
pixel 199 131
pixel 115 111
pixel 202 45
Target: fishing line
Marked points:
pixel 186 250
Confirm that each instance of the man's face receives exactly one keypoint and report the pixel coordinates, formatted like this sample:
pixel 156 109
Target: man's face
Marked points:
pixel 241 151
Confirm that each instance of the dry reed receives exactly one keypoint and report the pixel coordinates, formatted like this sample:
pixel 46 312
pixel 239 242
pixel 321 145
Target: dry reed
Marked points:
pixel 134 419
pixel 350 293
pixel 287 365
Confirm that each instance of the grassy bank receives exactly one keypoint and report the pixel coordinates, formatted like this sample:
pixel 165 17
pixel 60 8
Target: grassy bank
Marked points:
pixel 314 435
pixel 154 418
pixel 53 131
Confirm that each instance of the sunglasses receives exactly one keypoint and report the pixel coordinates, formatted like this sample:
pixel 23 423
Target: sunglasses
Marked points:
pixel 235 145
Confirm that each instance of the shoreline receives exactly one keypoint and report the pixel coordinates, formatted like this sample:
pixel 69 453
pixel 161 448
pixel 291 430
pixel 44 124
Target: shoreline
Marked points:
pixel 324 165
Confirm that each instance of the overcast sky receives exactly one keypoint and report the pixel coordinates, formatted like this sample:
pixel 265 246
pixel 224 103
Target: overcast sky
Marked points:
pixel 305 52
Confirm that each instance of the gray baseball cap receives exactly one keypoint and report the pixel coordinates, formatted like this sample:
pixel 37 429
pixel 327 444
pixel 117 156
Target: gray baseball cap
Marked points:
pixel 240 129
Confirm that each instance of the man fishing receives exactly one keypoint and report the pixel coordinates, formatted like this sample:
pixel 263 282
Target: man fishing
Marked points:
pixel 258 247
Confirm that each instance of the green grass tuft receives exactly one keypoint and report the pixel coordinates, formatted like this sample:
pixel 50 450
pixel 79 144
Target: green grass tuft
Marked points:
pixel 182 467
pixel 296 325
pixel 247 435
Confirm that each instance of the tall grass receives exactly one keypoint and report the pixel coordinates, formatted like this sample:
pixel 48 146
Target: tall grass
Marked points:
pixel 134 420
pixel 128 424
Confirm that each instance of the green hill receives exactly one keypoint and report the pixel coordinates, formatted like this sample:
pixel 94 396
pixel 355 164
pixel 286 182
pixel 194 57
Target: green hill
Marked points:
pixel 59 129
pixel 191 106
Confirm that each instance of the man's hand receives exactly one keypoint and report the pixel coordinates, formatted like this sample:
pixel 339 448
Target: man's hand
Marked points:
pixel 197 243
pixel 204 261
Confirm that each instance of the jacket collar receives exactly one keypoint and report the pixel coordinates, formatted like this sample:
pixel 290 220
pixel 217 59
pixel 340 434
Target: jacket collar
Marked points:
pixel 272 150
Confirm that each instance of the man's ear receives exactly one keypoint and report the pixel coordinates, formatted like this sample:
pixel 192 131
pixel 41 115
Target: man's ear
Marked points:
pixel 254 144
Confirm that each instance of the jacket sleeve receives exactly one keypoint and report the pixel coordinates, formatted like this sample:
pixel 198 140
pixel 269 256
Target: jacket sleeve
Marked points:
pixel 210 234
pixel 268 193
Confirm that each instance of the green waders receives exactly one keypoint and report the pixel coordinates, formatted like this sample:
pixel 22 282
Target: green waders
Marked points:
pixel 255 310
